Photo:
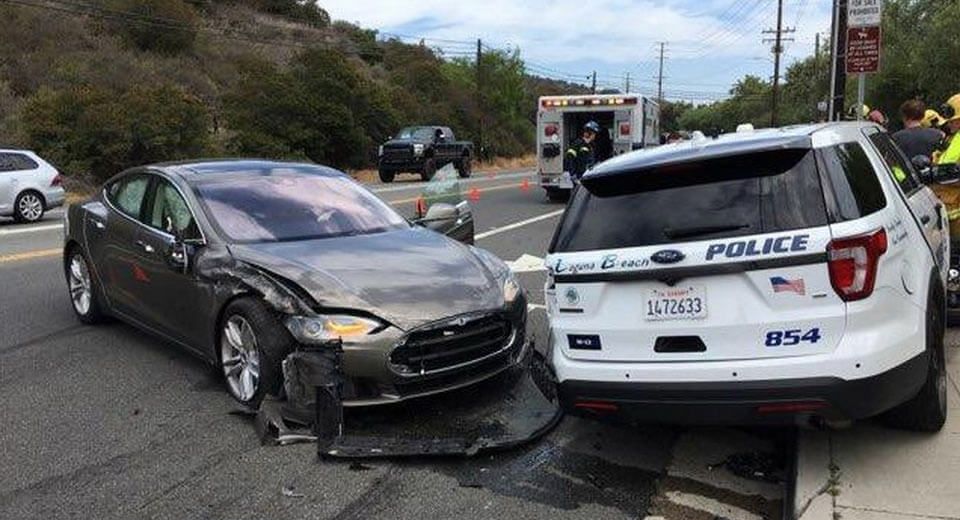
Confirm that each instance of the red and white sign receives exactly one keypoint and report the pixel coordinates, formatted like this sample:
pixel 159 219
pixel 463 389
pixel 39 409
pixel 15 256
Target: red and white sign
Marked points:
pixel 863 50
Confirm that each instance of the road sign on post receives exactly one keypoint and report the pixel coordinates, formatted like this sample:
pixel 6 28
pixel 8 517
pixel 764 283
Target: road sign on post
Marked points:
pixel 863 50
pixel 864 13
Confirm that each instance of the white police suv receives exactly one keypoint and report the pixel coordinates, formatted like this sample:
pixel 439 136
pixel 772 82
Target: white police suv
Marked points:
pixel 766 276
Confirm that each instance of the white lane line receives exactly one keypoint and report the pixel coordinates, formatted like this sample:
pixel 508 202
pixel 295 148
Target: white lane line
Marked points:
pixel 515 225
pixel 416 185
pixel 34 229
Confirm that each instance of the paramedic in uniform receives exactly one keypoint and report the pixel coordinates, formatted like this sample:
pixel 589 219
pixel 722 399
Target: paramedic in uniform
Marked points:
pixel 580 154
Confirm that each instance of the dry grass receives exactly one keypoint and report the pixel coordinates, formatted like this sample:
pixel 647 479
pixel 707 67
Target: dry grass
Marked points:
pixel 498 164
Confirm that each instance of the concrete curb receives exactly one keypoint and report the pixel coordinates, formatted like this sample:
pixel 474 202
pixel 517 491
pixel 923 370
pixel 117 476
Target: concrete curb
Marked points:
pixel 811 498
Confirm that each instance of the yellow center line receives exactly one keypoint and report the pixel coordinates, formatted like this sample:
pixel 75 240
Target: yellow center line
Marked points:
pixel 30 255
pixel 479 190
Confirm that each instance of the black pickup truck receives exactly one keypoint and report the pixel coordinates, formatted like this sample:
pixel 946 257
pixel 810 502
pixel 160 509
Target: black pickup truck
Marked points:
pixel 424 150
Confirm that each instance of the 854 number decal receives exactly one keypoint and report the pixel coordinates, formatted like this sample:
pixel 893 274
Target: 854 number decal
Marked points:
pixel 786 338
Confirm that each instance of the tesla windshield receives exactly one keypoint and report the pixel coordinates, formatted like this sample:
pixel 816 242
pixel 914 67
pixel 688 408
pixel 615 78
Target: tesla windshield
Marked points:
pixel 283 207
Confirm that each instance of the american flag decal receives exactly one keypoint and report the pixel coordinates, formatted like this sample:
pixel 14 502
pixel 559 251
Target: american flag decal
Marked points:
pixel 781 284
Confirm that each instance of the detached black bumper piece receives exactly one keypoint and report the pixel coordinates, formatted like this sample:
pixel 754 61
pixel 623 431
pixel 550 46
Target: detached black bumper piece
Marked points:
pixel 789 401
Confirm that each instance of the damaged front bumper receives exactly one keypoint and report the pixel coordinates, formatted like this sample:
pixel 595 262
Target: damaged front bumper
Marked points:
pixel 517 406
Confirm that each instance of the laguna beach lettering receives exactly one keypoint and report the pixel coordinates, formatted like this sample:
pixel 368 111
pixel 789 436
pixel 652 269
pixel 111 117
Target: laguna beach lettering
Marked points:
pixel 611 261
pixel 754 247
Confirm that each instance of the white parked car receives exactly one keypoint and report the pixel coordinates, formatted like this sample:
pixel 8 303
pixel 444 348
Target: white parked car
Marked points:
pixel 763 277
pixel 29 186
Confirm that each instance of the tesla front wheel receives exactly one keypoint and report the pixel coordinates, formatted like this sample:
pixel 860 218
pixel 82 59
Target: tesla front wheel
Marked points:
pixel 83 288
pixel 252 345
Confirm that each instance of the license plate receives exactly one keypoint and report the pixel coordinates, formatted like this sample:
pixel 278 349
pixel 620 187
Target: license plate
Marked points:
pixel 676 303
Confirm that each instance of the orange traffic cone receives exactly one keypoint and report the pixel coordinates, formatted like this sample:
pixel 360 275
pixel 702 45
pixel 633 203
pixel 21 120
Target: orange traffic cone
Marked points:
pixel 474 195
pixel 420 207
pixel 525 185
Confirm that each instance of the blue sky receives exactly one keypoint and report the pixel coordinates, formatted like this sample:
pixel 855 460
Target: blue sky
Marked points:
pixel 710 43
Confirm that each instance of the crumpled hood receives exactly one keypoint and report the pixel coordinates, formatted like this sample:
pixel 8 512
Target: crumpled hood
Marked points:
pixel 408 277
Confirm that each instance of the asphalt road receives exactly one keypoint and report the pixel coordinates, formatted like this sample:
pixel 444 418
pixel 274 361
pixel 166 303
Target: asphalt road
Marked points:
pixel 108 422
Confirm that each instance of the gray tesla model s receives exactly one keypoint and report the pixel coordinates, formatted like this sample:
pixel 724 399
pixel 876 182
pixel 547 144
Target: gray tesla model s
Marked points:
pixel 241 262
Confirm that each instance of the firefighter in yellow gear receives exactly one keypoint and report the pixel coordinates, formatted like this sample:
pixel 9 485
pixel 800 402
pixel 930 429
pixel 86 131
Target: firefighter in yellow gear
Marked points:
pixel 931 119
pixel 951 113
pixel 949 193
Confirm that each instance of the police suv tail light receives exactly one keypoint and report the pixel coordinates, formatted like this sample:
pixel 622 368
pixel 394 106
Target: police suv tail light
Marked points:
pixel 852 263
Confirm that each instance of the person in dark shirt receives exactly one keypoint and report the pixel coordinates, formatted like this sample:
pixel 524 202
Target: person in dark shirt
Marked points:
pixel 914 139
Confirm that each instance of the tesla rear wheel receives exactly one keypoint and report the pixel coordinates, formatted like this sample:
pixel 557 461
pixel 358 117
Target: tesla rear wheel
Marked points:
pixel 252 345
pixel 927 411
pixel 83 288
pixel 28 207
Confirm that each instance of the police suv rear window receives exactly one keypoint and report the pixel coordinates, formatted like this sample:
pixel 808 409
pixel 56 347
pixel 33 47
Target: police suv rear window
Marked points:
pixel 751 194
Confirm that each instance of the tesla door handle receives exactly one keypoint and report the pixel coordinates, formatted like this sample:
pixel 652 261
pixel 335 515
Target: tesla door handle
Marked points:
pixel 145 246
pixel 925 219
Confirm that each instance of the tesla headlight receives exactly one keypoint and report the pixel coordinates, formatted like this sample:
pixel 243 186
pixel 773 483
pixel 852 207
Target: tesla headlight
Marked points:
pixel 511 289
pixel 418 149
pixel 331 327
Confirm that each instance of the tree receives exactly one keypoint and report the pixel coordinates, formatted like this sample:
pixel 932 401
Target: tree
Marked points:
pixel 162 26
pixel 90 131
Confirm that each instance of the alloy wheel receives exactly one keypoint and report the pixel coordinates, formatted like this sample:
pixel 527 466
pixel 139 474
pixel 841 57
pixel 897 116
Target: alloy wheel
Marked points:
pixel 78 280
pixel 30 207
pixel 240 358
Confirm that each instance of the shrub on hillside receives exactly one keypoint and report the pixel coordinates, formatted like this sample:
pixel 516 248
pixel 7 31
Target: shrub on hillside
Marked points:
pixel 90 131
pixel 163 26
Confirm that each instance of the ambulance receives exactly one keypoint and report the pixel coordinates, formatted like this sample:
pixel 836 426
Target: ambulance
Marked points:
pixel 627 122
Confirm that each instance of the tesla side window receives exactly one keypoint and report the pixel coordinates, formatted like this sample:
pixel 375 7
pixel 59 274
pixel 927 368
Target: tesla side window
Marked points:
pixel 170 213
pixel 127 194
pixel 283 206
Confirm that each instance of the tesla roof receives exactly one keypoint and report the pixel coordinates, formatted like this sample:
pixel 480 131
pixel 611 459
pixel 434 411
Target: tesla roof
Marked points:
pixel 262 167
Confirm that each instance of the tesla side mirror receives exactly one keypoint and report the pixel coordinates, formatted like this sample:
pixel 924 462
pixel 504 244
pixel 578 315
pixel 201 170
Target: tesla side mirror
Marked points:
pixel 455 221
pixel 178 257
pixel 440 212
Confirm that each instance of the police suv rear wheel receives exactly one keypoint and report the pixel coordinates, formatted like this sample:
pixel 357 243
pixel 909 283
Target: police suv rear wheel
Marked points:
pixel 927 411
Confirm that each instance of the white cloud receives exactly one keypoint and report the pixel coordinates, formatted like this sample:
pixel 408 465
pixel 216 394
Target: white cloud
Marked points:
pixel 718 39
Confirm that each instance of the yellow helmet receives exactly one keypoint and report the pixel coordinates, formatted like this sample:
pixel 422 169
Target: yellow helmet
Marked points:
pixel 931 119
pixel 951 109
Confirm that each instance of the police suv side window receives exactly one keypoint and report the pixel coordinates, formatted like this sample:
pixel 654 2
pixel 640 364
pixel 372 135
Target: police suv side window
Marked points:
pixel 901 170
pixel 856 190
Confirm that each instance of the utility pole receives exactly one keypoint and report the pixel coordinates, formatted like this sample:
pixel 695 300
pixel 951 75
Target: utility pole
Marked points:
pixel 593 83
pixel 627 89
pixel 838 60
pixel 479 95
pixel 777 51
pixel 816 77
pixel 660 76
